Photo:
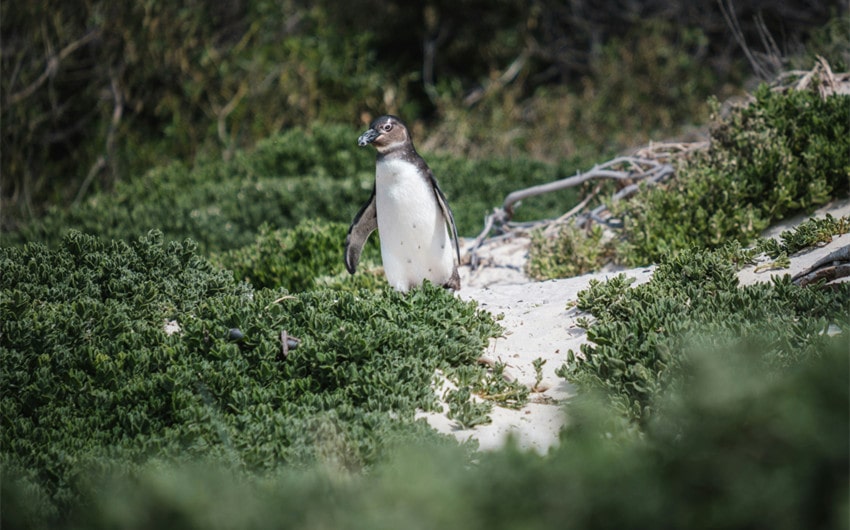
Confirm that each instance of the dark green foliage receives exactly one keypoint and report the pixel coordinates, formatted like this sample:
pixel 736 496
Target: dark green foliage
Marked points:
pixel 91 378
pixel 642 335
pixel 830 41
pixel 143 83
pixel 784 153
pixel 100 92
pixel 736 448
pixel 297 175
pixel 650 80
pixel 318 174
pixel 293 258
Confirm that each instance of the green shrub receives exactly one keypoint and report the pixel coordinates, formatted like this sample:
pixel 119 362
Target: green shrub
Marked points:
pixel 297 175
pixel 645 84
pixel 641 336
pixel 317 174
pixel 735 448
pixel 92 378
pixel 146 83
pixel 292 258
pixel 830 41
pixel 784 153
pixel 807 234
pixel 570 252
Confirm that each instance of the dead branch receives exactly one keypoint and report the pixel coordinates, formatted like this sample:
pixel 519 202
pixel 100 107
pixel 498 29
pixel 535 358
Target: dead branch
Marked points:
pixel 52 66
pixel 109 156
pixel 222 114
pixel 631 169
pixel 575 210
pixel 649 166
pixel 727 8
pixel 826 81
pixel 832 266
pixel 504 79
pixel 641 168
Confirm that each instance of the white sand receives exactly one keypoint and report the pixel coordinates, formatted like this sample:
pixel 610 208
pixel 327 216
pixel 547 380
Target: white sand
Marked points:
pixel 539 325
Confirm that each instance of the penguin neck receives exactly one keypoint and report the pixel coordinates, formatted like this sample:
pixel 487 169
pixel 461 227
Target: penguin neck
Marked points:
pixel 405 152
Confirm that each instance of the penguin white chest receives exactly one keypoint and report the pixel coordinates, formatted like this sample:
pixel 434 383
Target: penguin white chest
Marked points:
pixel 415 243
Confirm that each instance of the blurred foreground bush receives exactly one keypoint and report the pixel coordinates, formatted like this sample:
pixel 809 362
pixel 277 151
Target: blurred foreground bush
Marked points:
pixel 735 448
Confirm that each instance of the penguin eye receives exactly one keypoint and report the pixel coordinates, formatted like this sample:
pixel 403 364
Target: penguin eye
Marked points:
pixel 387 127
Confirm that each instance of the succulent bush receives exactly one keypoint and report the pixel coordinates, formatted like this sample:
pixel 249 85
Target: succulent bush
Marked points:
pixel 572 251
pixel 807 234
pixel 92 376
pixel 735 448
pixel 783 153
pixel 641 337
pixel 292 258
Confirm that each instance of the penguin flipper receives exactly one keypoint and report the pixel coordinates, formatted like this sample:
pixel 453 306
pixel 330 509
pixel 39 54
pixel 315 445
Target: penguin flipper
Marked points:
pixel 447 215
pixel 365 222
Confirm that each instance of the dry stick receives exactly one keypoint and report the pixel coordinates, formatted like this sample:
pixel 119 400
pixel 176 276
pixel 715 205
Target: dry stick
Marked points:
pixel 568 182
pixel 661 151
pixel 222 115
pixel 598 172
pixel 101 162
pixel 488 225
pixel 578 207
pixel 52 66
pixel 728 11
pixel 654 173
pixel 502 81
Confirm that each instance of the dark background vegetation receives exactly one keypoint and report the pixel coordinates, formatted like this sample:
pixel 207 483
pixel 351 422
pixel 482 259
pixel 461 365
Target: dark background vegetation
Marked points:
pixel 95 93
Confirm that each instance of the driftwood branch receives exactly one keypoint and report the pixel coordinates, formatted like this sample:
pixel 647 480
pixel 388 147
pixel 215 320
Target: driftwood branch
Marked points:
pixel 649 167
pixel 638 169
pixel 832 266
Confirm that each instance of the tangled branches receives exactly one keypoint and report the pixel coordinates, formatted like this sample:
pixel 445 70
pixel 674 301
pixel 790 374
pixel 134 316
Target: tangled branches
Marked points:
pixel 649 166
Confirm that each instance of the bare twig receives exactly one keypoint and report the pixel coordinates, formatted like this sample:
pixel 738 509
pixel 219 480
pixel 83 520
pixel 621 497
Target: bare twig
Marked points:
pixel 727 8
pixel 52 66
pixel 501 81
pixel 631 169
pixel 576 209
pixel 96 168
pixel 103 160
pixel 832 266
pixel 641 168
pixel 223 113
pixel 828 82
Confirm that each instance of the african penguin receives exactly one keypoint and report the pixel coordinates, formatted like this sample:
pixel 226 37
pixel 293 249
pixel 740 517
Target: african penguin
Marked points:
pixel 407 207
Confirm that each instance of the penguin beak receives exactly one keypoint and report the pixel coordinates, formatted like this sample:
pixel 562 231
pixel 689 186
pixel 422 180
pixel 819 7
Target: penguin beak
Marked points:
pixel 367 137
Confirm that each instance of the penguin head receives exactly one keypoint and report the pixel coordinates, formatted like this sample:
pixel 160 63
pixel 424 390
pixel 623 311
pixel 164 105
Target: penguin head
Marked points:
pixel 386 133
